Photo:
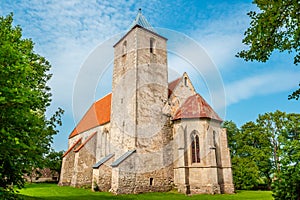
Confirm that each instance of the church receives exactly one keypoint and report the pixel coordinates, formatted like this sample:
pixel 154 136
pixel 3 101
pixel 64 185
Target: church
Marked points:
pixel 148 134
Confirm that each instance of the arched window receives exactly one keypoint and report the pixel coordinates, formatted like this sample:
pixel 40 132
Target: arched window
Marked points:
pixel 195 149
pixel 152 45
pixel 124 50
pixel 185 81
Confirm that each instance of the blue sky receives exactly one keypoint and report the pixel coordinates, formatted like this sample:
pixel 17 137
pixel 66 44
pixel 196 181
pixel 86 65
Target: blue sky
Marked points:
pixel 68 32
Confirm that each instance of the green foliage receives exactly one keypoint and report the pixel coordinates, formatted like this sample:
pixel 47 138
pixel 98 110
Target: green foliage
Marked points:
pixel 53 192
pixel 251 155
pixel 25 133
pixel 245 173
pixel 265 150
pixel 287 182
pixel 275 27
pixel 53 160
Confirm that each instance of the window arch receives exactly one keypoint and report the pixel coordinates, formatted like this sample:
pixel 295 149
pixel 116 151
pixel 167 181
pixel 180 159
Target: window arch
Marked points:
pixel 195 149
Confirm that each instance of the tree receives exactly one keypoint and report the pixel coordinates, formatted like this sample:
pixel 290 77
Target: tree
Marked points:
pixel 275 27
pixel 267 151
pixel 287 182
pixel 245 173
pixel 253 148
pixel 25 132
pixel 53 161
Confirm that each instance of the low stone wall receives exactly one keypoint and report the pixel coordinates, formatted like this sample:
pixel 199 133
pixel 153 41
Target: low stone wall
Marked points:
pixel 102 177
pixel 84 171
pixel 67 170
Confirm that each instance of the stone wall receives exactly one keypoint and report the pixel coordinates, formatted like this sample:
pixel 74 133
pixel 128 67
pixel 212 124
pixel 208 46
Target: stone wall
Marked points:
pixel 67 169
pixel 103 146
pixel 139 91
pixel 126 178
pixel 123 109
pixel 85 158
pixel 102 176
pixel 226 170
pixel 84 170
pixel 213 174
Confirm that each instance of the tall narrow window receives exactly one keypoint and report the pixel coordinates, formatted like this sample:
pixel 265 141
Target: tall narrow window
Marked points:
pixel 193 152
pixel 151 181
pixel 124 50
pixel 185 81
pixel 195 149
pixel 152 45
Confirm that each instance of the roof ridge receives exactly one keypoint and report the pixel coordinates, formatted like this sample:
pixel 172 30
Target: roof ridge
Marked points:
pixel 103 97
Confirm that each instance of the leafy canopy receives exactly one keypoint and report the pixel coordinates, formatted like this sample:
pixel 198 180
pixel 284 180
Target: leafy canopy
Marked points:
pixel 275 27
pixel 25 132
pixel 267 152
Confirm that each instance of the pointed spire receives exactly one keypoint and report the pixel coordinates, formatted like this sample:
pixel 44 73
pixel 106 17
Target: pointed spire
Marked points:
pixel 141 20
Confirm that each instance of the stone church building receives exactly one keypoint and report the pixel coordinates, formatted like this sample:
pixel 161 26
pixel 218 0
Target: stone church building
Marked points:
pixel 148 134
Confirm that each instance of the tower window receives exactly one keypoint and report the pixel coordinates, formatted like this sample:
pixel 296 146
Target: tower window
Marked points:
pixel 151 181
pixel 195 149
pixel 152 45
pixel 124 49
pixel 185 81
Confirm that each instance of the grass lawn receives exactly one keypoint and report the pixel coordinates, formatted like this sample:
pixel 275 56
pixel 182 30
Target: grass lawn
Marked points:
pixel 52 191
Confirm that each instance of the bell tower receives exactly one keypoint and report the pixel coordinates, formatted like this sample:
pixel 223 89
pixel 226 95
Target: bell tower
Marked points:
pixel 139 88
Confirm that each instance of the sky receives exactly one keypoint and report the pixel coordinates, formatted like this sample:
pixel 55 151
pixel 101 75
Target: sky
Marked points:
pixel 76 36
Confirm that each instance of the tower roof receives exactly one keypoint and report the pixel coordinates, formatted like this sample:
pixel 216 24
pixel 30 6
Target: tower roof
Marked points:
pixel 141 21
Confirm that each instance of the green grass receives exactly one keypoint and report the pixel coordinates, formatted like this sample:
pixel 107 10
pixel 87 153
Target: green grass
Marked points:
pixel 52 192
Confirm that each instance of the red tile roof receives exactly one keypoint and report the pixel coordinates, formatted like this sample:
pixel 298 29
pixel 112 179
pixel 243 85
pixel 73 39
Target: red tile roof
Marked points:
pixel 98 114
pixel 172 85
pixel 70 149
pixel 86 141
pixel 196 107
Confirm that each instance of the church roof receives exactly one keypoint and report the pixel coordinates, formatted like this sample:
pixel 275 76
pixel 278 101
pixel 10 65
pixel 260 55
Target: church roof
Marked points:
pixel 196 107
pixel 98 114
pixel 141 21
pixel 172 85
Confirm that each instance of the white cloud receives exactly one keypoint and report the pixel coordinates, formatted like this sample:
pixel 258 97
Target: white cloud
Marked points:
pixel 264 84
